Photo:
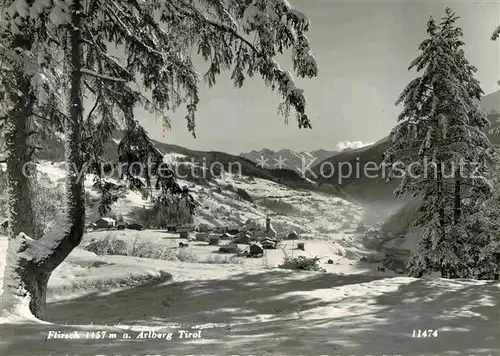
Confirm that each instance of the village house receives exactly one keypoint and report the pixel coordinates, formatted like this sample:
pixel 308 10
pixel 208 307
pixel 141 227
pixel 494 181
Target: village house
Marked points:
pixel 233 229
pixel 131 224
pixel 135 226
pixel 203 227
pixel 105 223
pixel 91 227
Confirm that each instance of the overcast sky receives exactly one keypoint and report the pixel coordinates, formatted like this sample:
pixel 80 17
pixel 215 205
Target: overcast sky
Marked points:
pixel 363 50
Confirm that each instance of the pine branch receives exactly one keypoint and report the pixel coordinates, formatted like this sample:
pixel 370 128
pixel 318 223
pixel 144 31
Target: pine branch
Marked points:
pixel 199 16
pixel 102 76
pixel 496 34
pixel 111 14
pixel 40 117
pixel 96 104
pixel 117 67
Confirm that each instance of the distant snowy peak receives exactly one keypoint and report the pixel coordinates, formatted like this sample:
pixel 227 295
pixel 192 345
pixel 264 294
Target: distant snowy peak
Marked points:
pixel 287 158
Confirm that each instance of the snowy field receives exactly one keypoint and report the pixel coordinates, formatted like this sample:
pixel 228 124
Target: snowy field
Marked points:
pixel 240 309
pixel 248 306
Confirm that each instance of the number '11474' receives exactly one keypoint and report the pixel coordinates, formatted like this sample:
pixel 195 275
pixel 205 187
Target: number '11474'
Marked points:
pixel 425 333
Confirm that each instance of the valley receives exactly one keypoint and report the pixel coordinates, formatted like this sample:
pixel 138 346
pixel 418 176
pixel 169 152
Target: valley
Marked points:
pixel 353 306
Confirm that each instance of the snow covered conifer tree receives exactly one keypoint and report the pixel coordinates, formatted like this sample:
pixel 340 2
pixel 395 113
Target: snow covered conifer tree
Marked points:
pixel 157 38
pixel 440 140
pixel 473 185
pixel 483 253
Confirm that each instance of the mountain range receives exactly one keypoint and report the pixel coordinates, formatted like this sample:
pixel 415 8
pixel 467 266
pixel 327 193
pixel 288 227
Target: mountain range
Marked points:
pixel 288 159
pixel 357 186
pixel 214 162
pixel 354 186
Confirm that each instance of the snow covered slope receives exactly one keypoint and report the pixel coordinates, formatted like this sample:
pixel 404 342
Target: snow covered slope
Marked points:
pixel 308 212
pixel 53 150
pixel 491 102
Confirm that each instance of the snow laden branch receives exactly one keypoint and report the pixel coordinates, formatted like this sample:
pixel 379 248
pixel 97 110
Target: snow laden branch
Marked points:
pixel 276 26
pixel 226 43
pixel 222 31
pixel 496 34
pixel 103 76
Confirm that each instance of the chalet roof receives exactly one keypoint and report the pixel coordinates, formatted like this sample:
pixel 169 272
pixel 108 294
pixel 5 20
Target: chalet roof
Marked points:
pixel 107 220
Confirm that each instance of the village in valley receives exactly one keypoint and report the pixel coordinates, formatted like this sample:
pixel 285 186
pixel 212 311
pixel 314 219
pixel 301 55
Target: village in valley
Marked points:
pixel 251 234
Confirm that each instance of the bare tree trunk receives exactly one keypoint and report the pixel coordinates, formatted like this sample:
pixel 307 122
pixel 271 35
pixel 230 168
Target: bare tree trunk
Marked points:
pixel 35 280
pixel 20 169
pixel 75 181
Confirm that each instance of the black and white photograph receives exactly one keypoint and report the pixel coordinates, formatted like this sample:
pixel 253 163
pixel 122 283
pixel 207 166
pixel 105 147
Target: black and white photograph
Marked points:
pixel 249 177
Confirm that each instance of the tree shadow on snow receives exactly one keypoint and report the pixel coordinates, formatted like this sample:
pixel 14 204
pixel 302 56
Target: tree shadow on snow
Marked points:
pixel 218 301
pixel 466 314
pixel 275 312
pixel 261 317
